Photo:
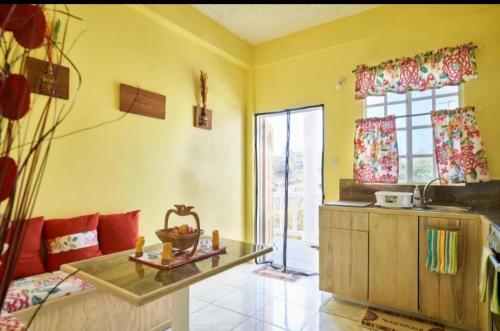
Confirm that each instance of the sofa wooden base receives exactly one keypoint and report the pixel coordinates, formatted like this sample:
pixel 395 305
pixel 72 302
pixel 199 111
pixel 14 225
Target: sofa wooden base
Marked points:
pixel 95 310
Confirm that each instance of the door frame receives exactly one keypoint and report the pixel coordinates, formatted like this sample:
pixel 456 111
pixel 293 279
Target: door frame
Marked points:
pixel 256 157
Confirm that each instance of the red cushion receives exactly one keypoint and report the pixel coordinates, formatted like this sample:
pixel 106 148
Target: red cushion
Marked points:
pixel 118 232
pixel 82 245
pixel 30 261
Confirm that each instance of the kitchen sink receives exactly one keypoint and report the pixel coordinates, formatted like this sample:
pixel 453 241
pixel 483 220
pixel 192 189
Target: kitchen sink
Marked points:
pixel 446 208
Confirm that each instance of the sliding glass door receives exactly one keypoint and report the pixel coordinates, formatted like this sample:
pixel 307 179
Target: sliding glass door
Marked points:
pixel 289 159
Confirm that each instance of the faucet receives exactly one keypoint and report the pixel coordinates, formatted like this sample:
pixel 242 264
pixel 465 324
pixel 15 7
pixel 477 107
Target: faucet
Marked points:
pixel 425 201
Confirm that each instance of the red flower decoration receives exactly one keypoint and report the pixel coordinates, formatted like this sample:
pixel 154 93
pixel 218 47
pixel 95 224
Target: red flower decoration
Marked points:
pixel 458 64
pixel 468 159
pixel 387 178
pixel 15 16
pixel 365 174
pixel 32 33
pixel 365 80
pixel 388 126
pixel 409 72
pixel 15 97
pixel 8 174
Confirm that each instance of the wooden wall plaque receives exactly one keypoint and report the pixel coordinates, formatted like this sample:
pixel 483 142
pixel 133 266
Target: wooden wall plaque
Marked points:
pixel 141 102
pixel 37 68
pixel 197 112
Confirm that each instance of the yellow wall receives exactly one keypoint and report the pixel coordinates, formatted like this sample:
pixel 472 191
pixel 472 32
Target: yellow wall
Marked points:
pixel 206 30
pixel 141 162
pixel 302 69
pixel 149 164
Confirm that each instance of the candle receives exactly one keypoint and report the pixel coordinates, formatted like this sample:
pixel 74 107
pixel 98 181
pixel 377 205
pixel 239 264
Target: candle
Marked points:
pixel 166 254
pixel 215 239
pixel 139 269
pixel 139 246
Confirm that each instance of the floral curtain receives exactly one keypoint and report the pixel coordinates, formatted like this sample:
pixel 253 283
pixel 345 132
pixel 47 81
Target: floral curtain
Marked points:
pixel 433 69
pixel 376 151
pixel 459 149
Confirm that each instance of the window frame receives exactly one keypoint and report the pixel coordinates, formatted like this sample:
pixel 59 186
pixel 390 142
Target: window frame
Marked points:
pixel 409 98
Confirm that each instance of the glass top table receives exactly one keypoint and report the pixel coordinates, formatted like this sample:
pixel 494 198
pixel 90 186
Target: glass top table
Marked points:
pixel 139 283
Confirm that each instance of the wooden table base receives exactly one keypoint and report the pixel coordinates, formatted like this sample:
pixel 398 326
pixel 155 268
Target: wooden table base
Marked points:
pixel 96 310
pixel 180 309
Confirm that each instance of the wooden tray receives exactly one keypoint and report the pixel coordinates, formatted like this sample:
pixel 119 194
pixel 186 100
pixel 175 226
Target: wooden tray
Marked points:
pixel 153 258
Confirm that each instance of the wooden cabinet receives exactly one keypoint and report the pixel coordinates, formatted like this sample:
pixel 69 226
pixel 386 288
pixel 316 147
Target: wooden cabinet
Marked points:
pixel 343 253
pixel 453 298
pixel 393 254
pixel 379 257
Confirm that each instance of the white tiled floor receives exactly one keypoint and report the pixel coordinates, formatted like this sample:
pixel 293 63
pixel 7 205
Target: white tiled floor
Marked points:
pixel 241 300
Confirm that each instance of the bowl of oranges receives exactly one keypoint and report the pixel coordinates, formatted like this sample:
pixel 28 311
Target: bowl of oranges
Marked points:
pixel 183 236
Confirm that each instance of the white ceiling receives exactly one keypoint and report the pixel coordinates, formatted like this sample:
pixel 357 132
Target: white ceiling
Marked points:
pixel 260 23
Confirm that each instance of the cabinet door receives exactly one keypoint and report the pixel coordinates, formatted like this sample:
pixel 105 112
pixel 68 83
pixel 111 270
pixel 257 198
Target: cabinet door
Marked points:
pixel 343 219
pixel 344 262
pixel 453 298
pixel 394 261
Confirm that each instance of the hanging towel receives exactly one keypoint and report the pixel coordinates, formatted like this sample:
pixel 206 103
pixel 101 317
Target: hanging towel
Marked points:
pixel 495 305
pixel 442 251
pixel 483 273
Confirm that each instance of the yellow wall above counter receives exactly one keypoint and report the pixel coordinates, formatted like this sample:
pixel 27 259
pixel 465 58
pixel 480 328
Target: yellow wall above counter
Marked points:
pixel 303 68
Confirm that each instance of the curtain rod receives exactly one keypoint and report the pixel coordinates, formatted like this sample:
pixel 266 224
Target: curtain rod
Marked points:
pixel 402 116
pixel 423 114
pixel 412 115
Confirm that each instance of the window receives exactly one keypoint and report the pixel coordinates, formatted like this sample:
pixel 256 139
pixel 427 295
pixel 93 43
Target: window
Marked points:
pixel 417 162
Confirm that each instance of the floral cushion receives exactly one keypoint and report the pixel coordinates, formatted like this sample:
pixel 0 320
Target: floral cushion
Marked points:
pixel 29 291
pixel 10 323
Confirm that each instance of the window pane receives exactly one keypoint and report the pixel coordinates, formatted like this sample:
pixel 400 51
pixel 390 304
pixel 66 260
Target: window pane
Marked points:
pixel 422 141
pixel 421 107
pixel 401 135
pixel 398 109
pixel 403 170
pixel 422 169
pixel 421 120
pixel 418 94
pixel 447 102
pixel 375 111
pixel 392 97
pixel 447 90
pixel 374 100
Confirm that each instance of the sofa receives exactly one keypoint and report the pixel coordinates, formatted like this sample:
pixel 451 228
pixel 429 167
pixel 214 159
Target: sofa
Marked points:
pixel 48 244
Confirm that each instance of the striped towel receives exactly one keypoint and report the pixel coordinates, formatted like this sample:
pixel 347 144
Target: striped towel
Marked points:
pixel 442 251
pixel 484 275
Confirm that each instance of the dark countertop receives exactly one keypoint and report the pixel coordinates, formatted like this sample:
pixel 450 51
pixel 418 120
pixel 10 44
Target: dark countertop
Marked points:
pixel 492 214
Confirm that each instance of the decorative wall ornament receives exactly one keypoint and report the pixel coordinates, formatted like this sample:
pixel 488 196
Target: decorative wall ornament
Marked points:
pixel 203 115
pixel 340 83
pixel 376 151
pixel 48 79
pixel 460 153
pixel 141 102
pixel 432 69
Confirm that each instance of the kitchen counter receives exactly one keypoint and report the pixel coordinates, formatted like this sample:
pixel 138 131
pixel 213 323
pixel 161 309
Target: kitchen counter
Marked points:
pixel 493 215
pixel 407 211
